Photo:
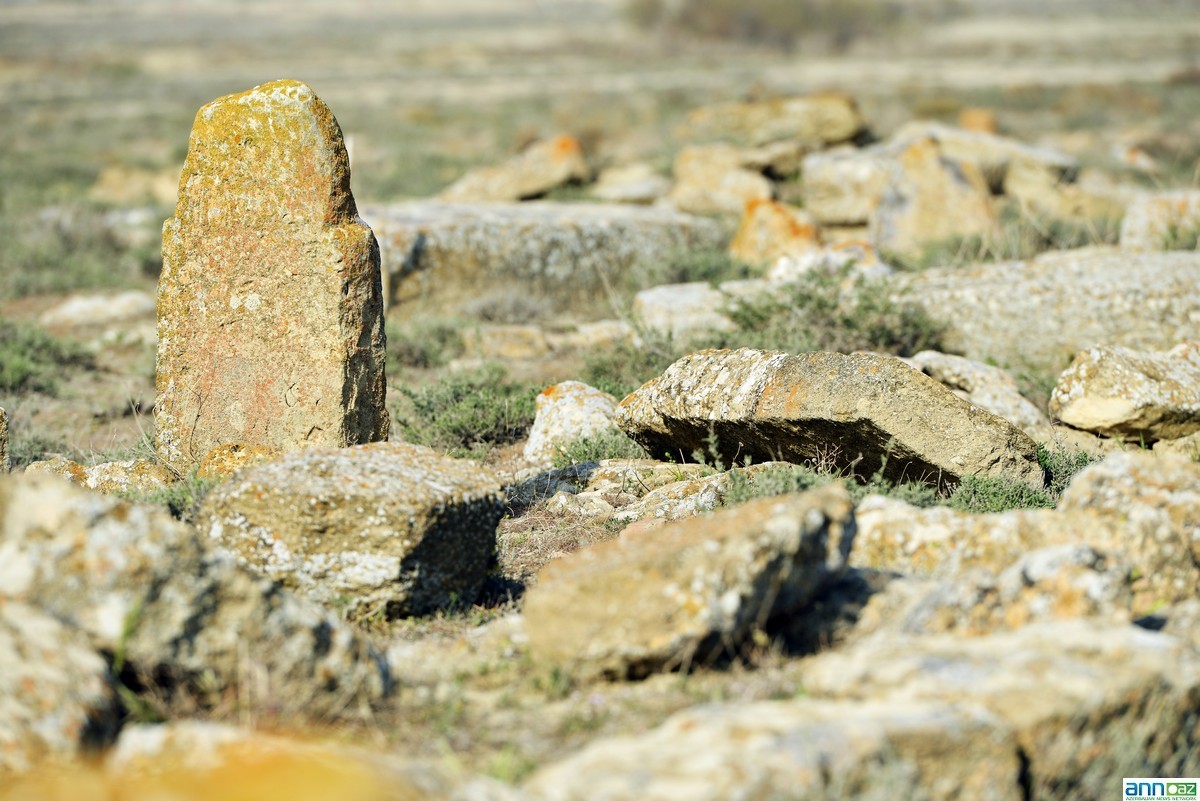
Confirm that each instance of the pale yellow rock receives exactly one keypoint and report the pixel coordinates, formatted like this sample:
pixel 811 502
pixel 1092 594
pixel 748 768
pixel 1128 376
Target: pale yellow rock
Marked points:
pixel 132 475
pixel 770 231
pixel 815 121
pixel 270 316
pixel 542 166
pixel 1162 221
pixel 714 179
pixel 225 460
pixel 1137 396
pixel 631 183
pixel 568 411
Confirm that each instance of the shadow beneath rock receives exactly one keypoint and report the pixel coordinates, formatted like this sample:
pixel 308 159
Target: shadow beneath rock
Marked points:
pixel 832 616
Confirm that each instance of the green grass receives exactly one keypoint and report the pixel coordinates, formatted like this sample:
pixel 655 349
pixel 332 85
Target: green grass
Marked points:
pixel 622 368
pixel 423 342
pixel 610 444
pixel 182 499
pixel 1182 237
pixel 32 360
pixel 467 413
pixel 687 266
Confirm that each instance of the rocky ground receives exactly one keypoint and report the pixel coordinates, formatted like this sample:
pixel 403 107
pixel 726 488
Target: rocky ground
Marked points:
pixel 747 439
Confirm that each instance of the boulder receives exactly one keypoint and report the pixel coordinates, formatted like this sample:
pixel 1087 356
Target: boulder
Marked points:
pixel 685 311
pixel 987 387
pixel 801 750
pixel 1071 300
pixel 861 412
pixel 381 526
pixel 438 257
pixel 931 197
pixel 815 121
pixel 131 475
pixel 1134 395
pixel 184 618
pixel 225 460
pixel 5 464
pixel 57 699
pixel 770 231
pixel 631 183
pixel 1162 221
pixel 270 320
pixel 544 165
pixel 565 412
pixel 714 179
pixel 1187 447
pixel 1086 702
pixel 844 186
pixel 690 591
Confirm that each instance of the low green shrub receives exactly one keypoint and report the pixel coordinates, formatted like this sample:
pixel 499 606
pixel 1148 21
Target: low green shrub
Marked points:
pixel 611 444
pixel 32 360
pixel 467 413
pixel 182 499
pixel 423 342
pixel 687 266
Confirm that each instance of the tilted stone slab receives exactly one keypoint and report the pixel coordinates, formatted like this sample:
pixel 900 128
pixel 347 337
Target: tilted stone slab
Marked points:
pixel 800 750
pixel 1137 396
pixel 689 590
pixel 1038 314
pixel 861 411
pixel 386 525
pixel 270 320
pixel 442 256
pixel 1087 702
pixel 139 583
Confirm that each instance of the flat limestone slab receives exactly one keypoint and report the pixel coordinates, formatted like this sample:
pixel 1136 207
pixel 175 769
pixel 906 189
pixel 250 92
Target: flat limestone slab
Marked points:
pixel 440 256
pixel 270 316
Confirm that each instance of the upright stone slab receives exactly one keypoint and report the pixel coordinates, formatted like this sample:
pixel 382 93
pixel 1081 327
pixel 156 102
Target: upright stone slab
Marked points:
pixel 270 314
pixel 4 464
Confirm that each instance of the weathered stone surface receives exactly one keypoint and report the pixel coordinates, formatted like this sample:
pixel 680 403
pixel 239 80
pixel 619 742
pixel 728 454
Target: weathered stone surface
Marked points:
pixel 132 475
pixel 714 179
pixel 1136 507
pixel 270 321
pixel 631 607
pixel 854 256
pixel 931 197
pixel 56 696
pixel 631 183
pixel 5 464
pixel 1087 703
pixel 683 311
pixel 1153 503
pixel 225 460
pixel 86 311
pixel 1137 396
pixel 844 186
pixel 985 386
pixel 800 750
pixel 565 412
pixel 873 411
pixel 383 525
pixel 1187 447
pixel 1073 300
pixel 542 166
pixel 770 231
pixel 439 256
pixel 1162 221
pixel 139 583
pixel 815 121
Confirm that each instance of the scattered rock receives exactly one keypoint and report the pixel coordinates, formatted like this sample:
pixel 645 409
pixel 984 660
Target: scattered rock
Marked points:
pixel 978 119
pixel 132 475
pixel 815 121
pixel 631 183
pixel 1152 504
pixel 5 464
pixel 844 186
pixel 90 311
pixel 1137 396
pixel 385 525
pixel 856 257
pixel 438 256
pixel 1162 221
pixel 987 387
pixel 544 165
pixel 770 231
pixel 270 319
pixel 931 197
pixel 57 701
pixel 566 412
pixel 685 311
pixel 714 179
pixel 689 592
pixel 186 620
pixel 225 460
pixel 1087 703
pixel 1038 314
pixel 1186 447
pixel 862 412
pixel 802 749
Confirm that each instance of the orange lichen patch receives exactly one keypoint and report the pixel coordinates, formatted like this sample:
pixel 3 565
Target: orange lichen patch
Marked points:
pixel 566 147
pixel 770 231
pixel 552 392
pixel 225 460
